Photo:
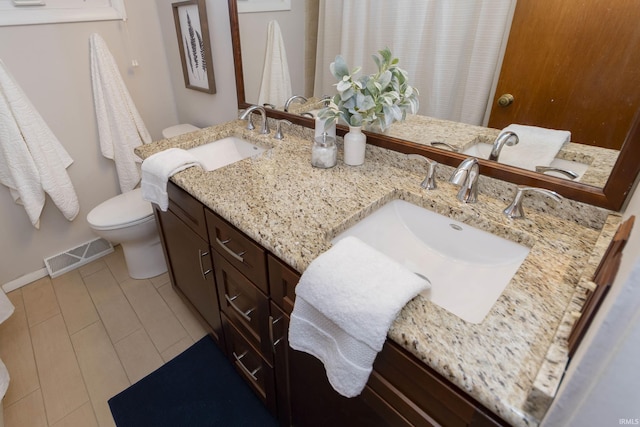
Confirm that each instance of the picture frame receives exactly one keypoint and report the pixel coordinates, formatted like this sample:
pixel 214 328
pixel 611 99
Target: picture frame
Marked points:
pixel 192 31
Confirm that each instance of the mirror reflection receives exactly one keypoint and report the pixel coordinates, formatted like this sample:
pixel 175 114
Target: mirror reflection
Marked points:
pixel 460 87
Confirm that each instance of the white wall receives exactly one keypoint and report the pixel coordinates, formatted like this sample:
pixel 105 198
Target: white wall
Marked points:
pixel 51 64
pixel 601 385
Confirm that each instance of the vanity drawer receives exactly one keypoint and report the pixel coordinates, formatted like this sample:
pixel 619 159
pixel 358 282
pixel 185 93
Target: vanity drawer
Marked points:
pixel 244 254
pixel 188 209
pixel 251 366
pixel 282 283
pixel 244 304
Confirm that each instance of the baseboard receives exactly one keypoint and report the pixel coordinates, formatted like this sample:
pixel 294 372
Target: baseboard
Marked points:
pixel 24 280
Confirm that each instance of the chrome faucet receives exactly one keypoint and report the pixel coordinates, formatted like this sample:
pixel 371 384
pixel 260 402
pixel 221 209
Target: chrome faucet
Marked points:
pixel 429 183
pixel 514 210
pixel 291 99
pixel 246 115
pixel 506 138
pixel 466 175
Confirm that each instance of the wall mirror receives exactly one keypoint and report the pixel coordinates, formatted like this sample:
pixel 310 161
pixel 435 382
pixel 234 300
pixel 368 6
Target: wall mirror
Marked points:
pixel 611 194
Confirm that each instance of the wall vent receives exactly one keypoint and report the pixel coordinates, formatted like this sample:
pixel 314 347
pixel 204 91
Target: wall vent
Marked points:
pixel 78 256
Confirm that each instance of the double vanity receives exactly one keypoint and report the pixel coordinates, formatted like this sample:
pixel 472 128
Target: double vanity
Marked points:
pixel 238 236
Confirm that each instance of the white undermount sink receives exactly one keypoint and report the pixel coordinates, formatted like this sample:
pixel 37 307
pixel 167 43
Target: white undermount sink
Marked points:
pixel 223 152
pixel 482 150
pixel 468 268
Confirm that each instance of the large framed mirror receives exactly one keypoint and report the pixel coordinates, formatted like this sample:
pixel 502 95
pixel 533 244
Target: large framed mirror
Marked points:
pixel 611 194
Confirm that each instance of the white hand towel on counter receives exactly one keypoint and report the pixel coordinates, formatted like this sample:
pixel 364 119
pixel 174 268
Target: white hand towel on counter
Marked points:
pixel 276 81
pixel 157 169
pixel 120 126
pixel 32 160
pixel 346 301
pixel 537 146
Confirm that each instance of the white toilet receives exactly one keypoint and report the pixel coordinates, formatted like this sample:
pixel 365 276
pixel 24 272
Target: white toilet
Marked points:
pixel 128 219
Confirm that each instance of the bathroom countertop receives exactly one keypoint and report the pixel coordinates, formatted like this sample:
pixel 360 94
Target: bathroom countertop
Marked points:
pixel 513 361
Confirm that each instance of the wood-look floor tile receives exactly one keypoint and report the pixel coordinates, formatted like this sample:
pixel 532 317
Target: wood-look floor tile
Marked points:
pixel 116 263
pixel 138 355
pixel 62 385
pixel 160 280
pixel 176 349
pixel 74 300
pixel 40 301
pixel 17 353
pixel 163 327
pixel 81 417
pixel 103 373
pixel 92 267
pixel 27 412
pixel 188 320
pixel 115 311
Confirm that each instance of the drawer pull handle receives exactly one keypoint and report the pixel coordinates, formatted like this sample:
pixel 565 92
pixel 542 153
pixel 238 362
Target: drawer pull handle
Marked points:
pixel 202 255
pixel 272 323
pixel 223 244
pixel 244 314
pixel 253 373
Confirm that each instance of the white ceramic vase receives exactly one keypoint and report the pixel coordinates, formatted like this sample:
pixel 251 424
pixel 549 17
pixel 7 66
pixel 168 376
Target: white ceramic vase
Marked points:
pixel 355 143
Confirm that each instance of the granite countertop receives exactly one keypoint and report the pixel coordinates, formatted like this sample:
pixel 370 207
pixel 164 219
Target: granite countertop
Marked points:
pixel 513 361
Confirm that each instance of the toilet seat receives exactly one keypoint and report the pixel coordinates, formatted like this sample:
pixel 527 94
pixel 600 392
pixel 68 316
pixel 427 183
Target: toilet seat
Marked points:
pixel 123 210
pixel 180 129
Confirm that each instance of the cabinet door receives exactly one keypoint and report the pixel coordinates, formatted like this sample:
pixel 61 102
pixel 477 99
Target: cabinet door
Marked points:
pixel 314 402
pixel 282 283
pixel 278 336
pixel 191 268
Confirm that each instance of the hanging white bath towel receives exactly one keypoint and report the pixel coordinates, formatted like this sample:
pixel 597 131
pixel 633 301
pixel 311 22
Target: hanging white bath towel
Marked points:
pixel 276 81
pixel 32 160
pixel 120 126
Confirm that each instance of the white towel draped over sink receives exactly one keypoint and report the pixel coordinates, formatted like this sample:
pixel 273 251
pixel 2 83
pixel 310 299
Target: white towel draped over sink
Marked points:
pixel 346 301
pixel 157 169
pixel 536 147
pixel 32 160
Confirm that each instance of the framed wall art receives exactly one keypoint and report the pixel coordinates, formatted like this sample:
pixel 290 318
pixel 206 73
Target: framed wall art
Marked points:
pixel 193 41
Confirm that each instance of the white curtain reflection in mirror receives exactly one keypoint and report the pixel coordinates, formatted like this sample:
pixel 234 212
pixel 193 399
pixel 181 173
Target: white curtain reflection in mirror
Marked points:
pixel 451 49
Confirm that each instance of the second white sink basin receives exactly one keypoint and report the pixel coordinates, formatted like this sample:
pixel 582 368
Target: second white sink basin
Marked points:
pixel 223 152
pixel 468 268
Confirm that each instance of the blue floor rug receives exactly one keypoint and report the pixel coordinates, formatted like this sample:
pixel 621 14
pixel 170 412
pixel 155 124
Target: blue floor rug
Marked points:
pixel 198 388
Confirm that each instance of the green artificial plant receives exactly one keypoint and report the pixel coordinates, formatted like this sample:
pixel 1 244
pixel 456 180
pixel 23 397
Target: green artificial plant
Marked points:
pixel 375 100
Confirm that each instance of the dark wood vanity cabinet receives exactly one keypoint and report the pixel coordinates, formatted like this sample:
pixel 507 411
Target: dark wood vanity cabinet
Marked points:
pixel 246 296
pixel 188 255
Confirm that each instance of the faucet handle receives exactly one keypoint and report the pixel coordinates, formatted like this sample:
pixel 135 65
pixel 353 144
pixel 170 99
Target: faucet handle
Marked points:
pixel 279 134
pixel 429 183
pixel 514 210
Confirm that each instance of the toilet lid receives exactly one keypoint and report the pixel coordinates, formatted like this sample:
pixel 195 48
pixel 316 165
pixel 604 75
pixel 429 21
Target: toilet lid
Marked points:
pixel 124 209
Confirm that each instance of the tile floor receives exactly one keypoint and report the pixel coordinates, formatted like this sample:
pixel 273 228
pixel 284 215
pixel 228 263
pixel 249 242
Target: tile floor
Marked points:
pixel 77 340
